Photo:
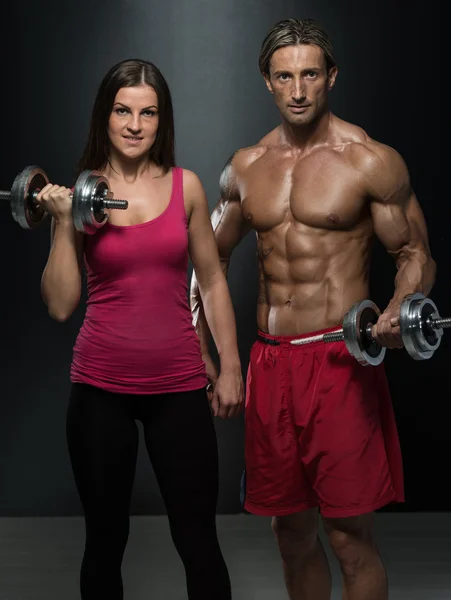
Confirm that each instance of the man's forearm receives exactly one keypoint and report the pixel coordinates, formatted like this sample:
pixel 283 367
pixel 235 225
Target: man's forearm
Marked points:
pixel 213 314
pixel 198 314
pixel 416 274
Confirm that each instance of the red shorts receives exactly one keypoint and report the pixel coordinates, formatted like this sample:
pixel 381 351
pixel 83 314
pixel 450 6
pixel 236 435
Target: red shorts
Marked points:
pixel 320 431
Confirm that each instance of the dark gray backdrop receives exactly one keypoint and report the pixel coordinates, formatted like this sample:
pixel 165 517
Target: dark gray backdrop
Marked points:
pixel 54 56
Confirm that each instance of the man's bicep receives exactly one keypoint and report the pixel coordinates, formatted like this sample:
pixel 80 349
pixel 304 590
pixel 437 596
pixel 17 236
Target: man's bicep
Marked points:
pixel 229 226
pixel 392 195
pixel 390 223
pixel 227 218
pixel 417 221
pixel 400 223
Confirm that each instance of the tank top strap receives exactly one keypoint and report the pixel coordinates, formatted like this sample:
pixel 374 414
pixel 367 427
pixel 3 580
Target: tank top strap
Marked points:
pixel 177 189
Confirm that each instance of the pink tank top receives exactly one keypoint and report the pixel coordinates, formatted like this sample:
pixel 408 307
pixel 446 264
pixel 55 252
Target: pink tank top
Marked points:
pixel 137 336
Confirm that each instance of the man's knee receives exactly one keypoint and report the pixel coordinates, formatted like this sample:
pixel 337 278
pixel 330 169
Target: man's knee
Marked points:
pixel 296 534
pixel 351 540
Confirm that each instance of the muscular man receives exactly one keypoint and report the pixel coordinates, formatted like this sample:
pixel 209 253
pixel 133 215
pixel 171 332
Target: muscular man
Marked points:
pixel 320 429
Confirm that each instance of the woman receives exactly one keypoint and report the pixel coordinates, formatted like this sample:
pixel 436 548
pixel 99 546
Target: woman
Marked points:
pixel 137 355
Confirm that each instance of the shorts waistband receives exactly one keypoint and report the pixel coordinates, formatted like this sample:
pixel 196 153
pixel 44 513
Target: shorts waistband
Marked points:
pixel 285 340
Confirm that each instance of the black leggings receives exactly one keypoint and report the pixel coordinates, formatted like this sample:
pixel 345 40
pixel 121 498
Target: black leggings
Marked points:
pixel 180 438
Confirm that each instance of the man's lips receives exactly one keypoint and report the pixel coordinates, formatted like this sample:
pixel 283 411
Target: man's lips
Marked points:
pixel 297 107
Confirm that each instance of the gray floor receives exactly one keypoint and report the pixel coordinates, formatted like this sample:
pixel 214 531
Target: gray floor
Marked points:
pixel 39 558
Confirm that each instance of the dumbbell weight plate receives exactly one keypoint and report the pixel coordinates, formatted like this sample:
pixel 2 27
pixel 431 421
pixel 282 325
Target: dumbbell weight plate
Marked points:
pixel 24 208
pixel 86 214
pixel 365 350
pixel 420 340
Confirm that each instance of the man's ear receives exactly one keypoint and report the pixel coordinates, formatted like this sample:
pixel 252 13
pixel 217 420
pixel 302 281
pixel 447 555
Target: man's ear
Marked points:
pixel 332 76
pixel 268 83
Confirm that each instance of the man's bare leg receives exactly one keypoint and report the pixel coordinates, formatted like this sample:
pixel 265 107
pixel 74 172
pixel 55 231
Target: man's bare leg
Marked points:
pixel 352 541
pixel 306 570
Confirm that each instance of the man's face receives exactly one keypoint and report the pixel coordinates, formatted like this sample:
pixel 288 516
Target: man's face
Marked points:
pixel 299 82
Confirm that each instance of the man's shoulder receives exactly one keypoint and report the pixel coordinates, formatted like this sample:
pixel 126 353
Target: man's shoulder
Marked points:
pixel 245 157
pixel 362 149
pixel 235 169
pixel 381 166
pixel 376 159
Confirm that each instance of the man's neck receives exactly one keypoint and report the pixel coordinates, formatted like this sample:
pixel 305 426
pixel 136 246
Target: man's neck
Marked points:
pixel 305 137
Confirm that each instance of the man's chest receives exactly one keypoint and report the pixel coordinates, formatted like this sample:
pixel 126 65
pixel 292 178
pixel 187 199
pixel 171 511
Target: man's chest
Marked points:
pixel 322 190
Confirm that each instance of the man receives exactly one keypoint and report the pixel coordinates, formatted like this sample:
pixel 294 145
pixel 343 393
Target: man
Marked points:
pixel 320 429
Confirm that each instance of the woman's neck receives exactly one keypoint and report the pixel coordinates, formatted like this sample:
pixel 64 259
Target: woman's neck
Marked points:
pixel 129 171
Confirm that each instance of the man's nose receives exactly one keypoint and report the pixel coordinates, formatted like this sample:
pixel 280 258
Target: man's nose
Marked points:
pixel 298 91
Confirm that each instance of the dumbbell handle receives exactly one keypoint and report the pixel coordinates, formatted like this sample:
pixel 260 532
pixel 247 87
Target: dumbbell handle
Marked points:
pixel 98 202
pixel 439 322
pixel 110 203
pixel 338 335
pixel 331 336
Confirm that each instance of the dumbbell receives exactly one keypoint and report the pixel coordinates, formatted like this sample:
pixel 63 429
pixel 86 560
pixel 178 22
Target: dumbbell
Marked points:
pixel 90 197
pixel 421 326
pixel 355 333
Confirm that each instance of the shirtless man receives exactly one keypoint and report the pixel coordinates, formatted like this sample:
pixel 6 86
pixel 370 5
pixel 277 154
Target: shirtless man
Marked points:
pixel 320 429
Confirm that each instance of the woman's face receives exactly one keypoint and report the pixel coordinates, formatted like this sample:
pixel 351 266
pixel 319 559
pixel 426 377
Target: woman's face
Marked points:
pixel 133 123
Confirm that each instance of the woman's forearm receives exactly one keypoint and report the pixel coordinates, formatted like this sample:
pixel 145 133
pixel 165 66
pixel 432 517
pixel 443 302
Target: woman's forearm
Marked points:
pixel 61 279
